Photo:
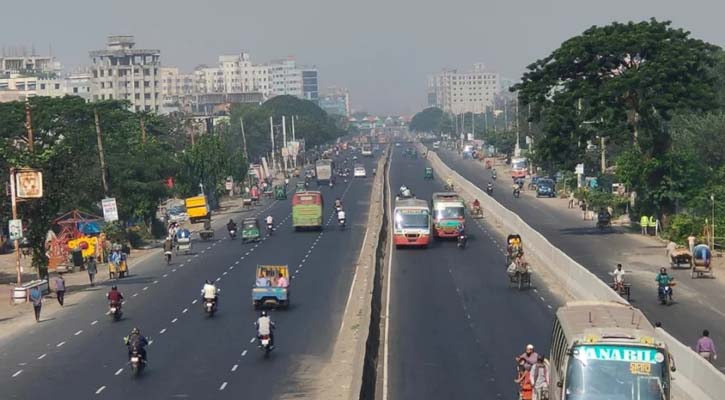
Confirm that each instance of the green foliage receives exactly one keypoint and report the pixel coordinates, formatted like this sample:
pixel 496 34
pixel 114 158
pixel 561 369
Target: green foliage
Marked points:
pixel 683 225
pixel 432 120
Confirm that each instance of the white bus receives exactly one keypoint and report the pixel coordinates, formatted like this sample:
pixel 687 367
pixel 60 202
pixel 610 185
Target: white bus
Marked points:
pixel 411 223
pixel 606 350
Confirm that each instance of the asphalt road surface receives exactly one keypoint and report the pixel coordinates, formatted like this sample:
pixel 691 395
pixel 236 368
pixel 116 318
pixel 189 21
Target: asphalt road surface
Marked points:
pixel 699 303
pixel 80 354
pixel 456 324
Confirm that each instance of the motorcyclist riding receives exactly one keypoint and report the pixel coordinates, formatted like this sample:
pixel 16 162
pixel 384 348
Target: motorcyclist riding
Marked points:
pixel 270 224
pixel 604 216
pixel 265 327
pixel 663 280
pixel 210 292
pixel 231 225
pixel 114 297
pixel 168 246
pixel 338 204
pixel 341 216
pixel 136 341
pixel 489 187
pixel 461 235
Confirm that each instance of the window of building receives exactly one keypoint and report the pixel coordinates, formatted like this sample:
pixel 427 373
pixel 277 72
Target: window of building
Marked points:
pixel 42 86
pixel 75 90
pixel 103 97
pixel 147 96
pixel 137 96
pixel 147 108
pixel 103 85
pixel 136 84
pixel 146 84
pixel 110 97
pixel 137 108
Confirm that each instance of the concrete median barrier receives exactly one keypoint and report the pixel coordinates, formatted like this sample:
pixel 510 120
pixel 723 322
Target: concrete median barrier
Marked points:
pixel 695 377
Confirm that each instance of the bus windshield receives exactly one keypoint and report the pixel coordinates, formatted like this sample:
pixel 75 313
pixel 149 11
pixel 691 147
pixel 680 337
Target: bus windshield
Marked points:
pixel 411 219
pixel 450 212
pixel 616 372
pixel 306 199
pixel 518 163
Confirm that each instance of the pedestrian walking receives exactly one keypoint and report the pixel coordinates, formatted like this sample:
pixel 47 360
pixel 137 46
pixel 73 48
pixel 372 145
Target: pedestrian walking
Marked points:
pixel 571 200
pixel 36 297
pixel 671 247
pixel 92 269
pixel 60 289
pixel 643 222
pixel 706 347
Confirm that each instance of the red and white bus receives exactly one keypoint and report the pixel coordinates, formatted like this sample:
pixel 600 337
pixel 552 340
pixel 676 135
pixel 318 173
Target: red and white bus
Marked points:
pixel 411 223
pixel 519 167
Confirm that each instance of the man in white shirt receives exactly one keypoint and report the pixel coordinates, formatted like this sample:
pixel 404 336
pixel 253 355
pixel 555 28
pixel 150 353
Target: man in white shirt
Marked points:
pixel 618 275
pixel 209 292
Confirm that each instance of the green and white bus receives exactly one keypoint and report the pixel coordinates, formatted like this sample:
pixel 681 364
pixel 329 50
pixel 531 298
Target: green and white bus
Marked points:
pixel 606 350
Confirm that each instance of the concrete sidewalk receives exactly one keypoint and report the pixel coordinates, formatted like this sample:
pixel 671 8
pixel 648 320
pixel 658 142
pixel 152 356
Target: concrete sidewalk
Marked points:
pixel 14 318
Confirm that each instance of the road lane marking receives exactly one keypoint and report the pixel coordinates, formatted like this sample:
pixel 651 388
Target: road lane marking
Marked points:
pixel 161 332
pixel 236 263
pixel 173 270
pixel 134 295
pixel 78 333
pixel 185 310
pixel 224 385
pixel 100 389
pixel 188 260
pixel 218 279
pixel 194 302
pixel 20 371
pixel 60 344
pixel 42 356
pixel 173 321
pixel 542 299
pixel 225 272
pixel 234 368
pixel 155 282
pixel 244 353
pixel 165 275
pixel 252 340
pixel 118 372
pixel 145 288
pixel 94 322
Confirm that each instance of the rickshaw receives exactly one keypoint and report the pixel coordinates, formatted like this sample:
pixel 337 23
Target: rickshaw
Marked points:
pixel 250 230
pixel 476 210
pixel 183 241
pixel 448 186
pixel 680 256
pixel 701 261
pixel 280 193
pixel 267 291
pixel 519 273
pixel 428 174
pixel 514 247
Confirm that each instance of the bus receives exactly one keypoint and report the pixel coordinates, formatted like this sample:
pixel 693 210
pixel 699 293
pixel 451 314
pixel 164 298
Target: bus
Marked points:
pixel 411 223
pixel 307 210
pixel 519 167
pixel 323 171
pixel 367 150
pixel 448 213
pixel 607 350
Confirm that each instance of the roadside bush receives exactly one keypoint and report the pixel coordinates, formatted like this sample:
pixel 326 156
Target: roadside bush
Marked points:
pixel 683 225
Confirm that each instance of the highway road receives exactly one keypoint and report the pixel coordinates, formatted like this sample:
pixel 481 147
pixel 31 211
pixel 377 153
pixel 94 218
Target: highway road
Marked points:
pixel 455 324
pixel 699 303
pixel 80 353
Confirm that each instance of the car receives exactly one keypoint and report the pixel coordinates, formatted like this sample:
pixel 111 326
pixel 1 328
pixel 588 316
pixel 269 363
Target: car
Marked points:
pixel 359 172
pixel 177 214
pixel 545 187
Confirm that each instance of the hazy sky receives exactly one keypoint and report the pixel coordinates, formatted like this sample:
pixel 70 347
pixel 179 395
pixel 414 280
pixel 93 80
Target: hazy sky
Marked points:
pixel 381 50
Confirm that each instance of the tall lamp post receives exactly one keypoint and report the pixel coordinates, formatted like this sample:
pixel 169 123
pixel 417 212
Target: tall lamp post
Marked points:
pixel 712 233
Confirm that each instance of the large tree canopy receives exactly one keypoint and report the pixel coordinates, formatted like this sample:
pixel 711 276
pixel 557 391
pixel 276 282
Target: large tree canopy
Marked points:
pixel 432 119
pixel 624 82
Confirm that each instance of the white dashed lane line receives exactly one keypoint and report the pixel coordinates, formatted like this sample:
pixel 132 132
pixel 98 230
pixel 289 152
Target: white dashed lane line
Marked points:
pixel 94 322
pixel 194 302
pixel 134 295
pixel 173 321
pixel 60 344
pixel 118 372
pixel 184 311
pixel 20 371
pixel 78 333
pixel 234 368
pixel 100 389
pixel 42 356
pixel 161 332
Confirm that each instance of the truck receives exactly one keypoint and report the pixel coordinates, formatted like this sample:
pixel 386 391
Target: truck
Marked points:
pixel 367 150
pixel 197 208
pixel 323 170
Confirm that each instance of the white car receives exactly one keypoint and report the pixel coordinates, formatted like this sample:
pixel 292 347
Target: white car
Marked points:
pixel 359 172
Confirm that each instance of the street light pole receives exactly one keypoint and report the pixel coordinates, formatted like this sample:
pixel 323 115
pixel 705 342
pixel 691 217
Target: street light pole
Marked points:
pixel 712 200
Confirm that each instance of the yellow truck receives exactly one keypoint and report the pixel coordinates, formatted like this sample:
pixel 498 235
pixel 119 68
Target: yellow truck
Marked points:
pixel 198 209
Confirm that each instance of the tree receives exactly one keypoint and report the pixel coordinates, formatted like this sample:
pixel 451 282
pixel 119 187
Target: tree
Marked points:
pixel 626 82
pixel 431 119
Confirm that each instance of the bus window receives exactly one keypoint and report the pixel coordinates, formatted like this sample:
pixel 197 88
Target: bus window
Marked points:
pixel 306 199
pixel 449 213
pixel 415 219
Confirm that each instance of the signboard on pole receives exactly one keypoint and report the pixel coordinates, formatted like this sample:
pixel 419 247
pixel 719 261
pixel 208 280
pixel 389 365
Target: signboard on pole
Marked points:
pixel 110 211
pixel 28 184
pixel 579 169
pixel 15 226
pixel 229 183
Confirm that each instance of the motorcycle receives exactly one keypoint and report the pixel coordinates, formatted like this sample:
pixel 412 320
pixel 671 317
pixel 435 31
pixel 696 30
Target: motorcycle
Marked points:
pixel 331 184
pixel 137 362
pixel 114 310
pixel 232 234
pixel 270 229
pixel 462 239
pixel 265 344
pixel 210 306
pixel 167 254
pixel 489 190
pixel 664 294
pixel 493 176
pixel 341 222
pixel 517 193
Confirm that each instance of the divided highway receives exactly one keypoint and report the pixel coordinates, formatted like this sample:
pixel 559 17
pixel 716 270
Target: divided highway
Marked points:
pixel 698 302
pixel 455 324
pixel 80 354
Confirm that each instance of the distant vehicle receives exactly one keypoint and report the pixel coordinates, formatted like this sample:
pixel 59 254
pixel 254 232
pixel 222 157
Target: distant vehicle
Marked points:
pixel 397 144
pixel 367 150
pixel 198 209
pixel 545 187
pixel 177 214
pixel 448 213
pixel 323 170
pixel 436 144
pixel 519 167
pixel 412 223
pixel 307 210
pixel 359 172
pixel 609 349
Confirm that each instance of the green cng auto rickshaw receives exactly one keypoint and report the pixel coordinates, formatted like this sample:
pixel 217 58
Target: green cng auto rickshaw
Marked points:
pixel 250 230
pixel 280 193
pixel 428 174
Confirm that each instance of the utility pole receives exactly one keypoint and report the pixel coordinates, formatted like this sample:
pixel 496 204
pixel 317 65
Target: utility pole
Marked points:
pixel 143 130
pixel 244 140
pixel 604 153
pixel 473 125
pixel 294 139
pixel 485 120
pixel 100 153
pixel 29 126
pixel 284 144
pixel 271 135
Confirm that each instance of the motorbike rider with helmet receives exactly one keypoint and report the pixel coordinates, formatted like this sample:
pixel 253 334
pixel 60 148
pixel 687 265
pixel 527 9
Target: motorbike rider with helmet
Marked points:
pixel 138 342
pixel 663 280
pixel 265 327
pixel 210 292
pixel 114 297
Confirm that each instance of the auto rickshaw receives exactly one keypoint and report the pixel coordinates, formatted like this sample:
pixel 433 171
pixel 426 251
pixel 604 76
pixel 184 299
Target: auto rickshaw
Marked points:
pixel 428 174
pixel 250 230
pixel 514 247
pixel 280 193
pixel 701 261
pixel 269 289
pixel 300 187
pixel 476 210
pixel 183 241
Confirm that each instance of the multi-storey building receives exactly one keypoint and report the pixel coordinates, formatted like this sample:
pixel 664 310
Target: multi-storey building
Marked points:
pixel 123 72
pixel 23 63
pixel 463 92
pixel 208 80
pixel 336 101
pixel 286 78
pixel 310 87
pixel 175 84
pixel 18 87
